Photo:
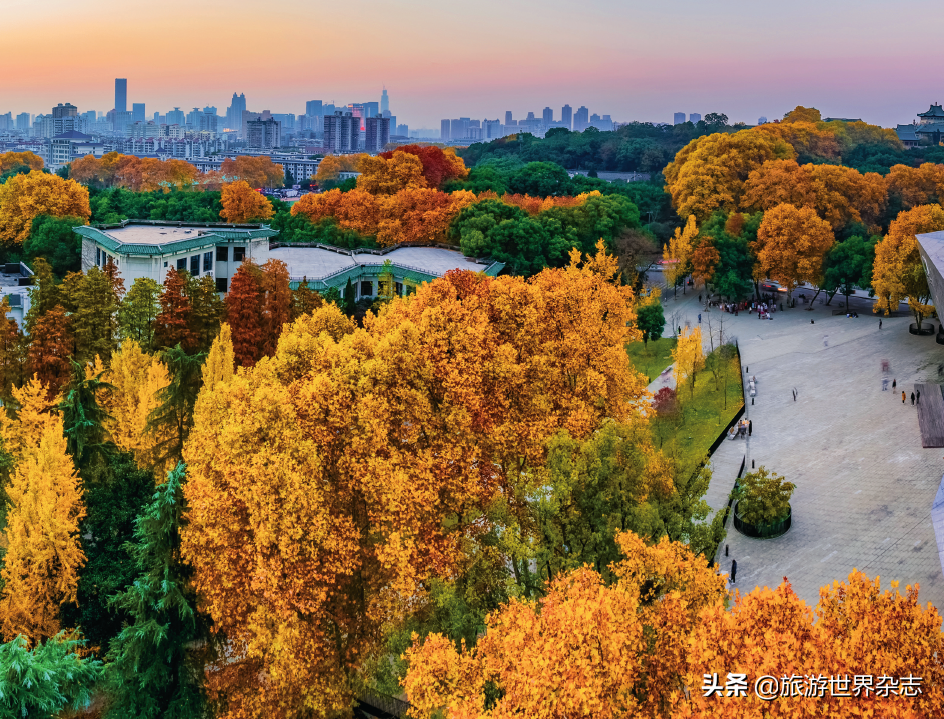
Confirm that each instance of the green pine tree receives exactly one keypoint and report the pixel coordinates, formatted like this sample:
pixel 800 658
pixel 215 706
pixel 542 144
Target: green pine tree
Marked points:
pixel 44 294
pixel 42 682
pixel 154 671
pixel 350 304
pixel 207 310
pixel 83 418
pixel 173 418
pixel 138 311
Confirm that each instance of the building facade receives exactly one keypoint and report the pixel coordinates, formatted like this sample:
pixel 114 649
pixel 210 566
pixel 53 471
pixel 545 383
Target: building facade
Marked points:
pixel 121 94
pixel 581 119
pixel 264 134
pixel 341 132
pixel 377 134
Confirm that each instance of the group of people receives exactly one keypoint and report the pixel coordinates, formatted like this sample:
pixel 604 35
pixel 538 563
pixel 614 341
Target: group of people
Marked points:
pixel 743 429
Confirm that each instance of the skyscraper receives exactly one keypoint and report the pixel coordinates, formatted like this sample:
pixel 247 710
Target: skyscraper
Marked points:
pixel 444 130
pixel 234 115
pixel 509 120
pixel 384 103
pixel 694 117
pixel 137 112
pixel 121 94
pixel 581 119
pixel 341 132
pixel 566 115
pixel 23 121
pixel 313 108
pixel 371 109
pixel 378 133
pixel 548 116
pixel 175 117
pixel 679 118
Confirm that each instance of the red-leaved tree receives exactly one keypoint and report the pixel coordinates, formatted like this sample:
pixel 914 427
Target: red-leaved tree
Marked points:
pixel 244 313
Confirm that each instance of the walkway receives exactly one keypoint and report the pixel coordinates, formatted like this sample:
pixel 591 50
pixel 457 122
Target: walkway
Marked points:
pixel 865 485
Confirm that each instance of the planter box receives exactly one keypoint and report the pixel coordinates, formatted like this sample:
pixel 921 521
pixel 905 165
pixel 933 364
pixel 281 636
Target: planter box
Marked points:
pixel 763 531
pixel 927 328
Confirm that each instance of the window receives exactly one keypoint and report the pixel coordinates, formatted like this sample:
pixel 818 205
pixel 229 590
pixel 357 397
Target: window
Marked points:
pixel 195 265
pixel 181 264
pixel 399 288
pixel 221 284
pixel 239 253
pixel 98 256
pixel 207 261
pixel 165 264
pixel 222 254
pixel 367 288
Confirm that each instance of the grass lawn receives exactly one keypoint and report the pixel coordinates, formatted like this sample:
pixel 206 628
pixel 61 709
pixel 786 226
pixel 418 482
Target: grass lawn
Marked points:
pixel 701 417
pixel 653 359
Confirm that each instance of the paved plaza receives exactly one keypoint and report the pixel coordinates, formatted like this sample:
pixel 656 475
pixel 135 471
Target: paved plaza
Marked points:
pixel 865 486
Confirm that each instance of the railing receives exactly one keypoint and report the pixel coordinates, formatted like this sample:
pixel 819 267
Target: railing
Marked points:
pixel 387 706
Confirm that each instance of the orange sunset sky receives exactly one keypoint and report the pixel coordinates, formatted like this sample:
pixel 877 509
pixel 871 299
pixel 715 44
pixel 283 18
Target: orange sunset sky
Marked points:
pixel 632 60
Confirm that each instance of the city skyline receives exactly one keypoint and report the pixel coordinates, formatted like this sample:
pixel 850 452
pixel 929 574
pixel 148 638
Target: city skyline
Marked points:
pixel 865 73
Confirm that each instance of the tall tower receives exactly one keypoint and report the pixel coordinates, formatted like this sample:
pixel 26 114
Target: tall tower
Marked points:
pixel 547 117
pixel 121 94
pixel 384 102
pixel 567 114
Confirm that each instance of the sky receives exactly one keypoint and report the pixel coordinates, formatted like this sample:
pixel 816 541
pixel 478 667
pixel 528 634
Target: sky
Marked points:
pixel 629 59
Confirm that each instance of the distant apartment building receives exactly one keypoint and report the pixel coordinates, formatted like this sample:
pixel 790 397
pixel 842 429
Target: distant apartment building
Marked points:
pixel 341 132
pixel 176 117
pixel 509 120
pixel 459 129
pixel 313 108
pixel 6 122
pixel 679 118
pixel 547 116
pixel 144 129
pixel 287 119
pixel 377 133
pixel 68 146
pixel 23 122
pixel 581 119
pixel 247 116
pixel 694 118
pixel 567 116
pixel 444 133
pixel 234 114
pixel 264 134
pixel 403 130
pixel 137 112
pixel 121 94
pixel 492 129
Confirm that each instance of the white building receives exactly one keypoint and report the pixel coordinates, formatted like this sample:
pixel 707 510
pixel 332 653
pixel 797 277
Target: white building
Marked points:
pixel 63 149
pixel 143 248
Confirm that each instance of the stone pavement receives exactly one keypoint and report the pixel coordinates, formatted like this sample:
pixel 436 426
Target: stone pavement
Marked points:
pixel 865 486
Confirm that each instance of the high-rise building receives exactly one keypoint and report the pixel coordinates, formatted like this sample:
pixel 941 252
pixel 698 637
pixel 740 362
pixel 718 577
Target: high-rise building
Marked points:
pixel 328 109
pixel 6 121
pixel 371 109
pixel 581 119
pixel 444 131
pixel 491 129
pixel 566 116
pixel 137 112
pixel 547 116
pixel 210 110
pixel 341 131
pixel 357 110
pixel 23 122
pixel 176 117
pixel 403 130
pixel 234 114
pixel 679 118
pixel 121 94
pixel 384 103
pixel 313 108
pixel 287 119
pixel 459 128
pixel 694 117
pixel 509 120
pixel 377 134
pixel 157 116
pixel 263 134
pixel 67 110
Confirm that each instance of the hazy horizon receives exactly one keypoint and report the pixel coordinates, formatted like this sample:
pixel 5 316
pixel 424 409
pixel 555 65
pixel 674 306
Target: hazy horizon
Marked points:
pixel 629 60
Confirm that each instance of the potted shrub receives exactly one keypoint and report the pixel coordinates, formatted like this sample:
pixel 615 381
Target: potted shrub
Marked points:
pixel 763 504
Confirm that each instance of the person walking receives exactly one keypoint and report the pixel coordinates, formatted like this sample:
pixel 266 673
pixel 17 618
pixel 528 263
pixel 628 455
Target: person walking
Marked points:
pixel 912 399
pixel 734 570
pixel 918 398
pixel 750 427
pixel 880 324
pixel 894 383
pixel 884 384
pixel 903 396
pixel 699 318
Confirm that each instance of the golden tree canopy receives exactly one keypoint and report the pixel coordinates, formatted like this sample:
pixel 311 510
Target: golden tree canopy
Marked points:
pixel 380 176
pixel 898 272
pixel 791 245
pixel 24 197
pixel 709 173
pixel 241 203
pixel 10 160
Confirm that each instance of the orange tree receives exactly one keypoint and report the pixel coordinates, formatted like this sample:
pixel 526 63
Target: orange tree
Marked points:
pixel 709 173
pixel 241 203
pixel 439 164
pixel 13 160
pixel 24 197
pixel 898 271
pixel 256 171
pixel 330 482
pixel 791 244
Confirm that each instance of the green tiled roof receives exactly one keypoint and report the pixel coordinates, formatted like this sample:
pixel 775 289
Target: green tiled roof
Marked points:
pixel 399 272
pixel 213 236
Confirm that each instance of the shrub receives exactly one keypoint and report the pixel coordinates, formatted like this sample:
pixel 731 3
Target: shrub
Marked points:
pixel 763 496
pixel 665 402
